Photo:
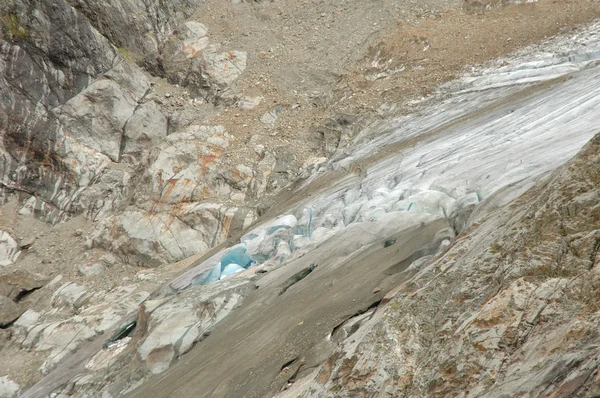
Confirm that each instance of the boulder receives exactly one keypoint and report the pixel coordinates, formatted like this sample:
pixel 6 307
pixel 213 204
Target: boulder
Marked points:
pixel 18 283
pixel 176 325
pixel 213 72
pixel 9 311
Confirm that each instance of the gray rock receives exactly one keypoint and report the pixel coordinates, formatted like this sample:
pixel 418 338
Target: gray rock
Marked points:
pixel 97 117
pixel 91 269
pixel 176 325
pixel 8 388
pixel 175 216
pixel 26 243
pixel 184 43
pixel 144 129
pixel 271 117
pixel 70 295
pixel 19 283
pixel 9 311
pixel 247 103
pixel 9 250
pixel 212 72
pixel 137 28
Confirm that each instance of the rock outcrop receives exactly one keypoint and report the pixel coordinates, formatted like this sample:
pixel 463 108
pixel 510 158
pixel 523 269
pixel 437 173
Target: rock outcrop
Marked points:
pixel 83 132
pixel 510 309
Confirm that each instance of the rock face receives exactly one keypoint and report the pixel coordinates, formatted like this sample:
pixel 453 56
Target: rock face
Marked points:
pixel 78 315
pixel 137 27
pixel 175 326
pixel 383 271
pixel 509 310
pixel 187 59
pixel 83 132
pixel 75 100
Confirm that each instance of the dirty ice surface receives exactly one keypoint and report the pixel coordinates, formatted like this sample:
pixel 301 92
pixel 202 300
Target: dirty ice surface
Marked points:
pixel 486 138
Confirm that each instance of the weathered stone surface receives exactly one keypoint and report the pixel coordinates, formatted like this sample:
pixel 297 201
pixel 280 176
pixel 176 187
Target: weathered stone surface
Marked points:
pixel 211 74
pixel 137 27
pixel 65 126
pixel 188 59
pixel 87 316
pixel 8 388
pixel 14 285
pixel 97 116
pixel 91 269
pixel 9 311
pixel 9 250
pixel 175 218
pixel 183 44
pixel 508 308
pixel 144 129
pixel 176 325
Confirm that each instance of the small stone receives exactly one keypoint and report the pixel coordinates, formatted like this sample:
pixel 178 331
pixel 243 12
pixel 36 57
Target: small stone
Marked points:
pixel 27 242
pixel 78 232
pixel 259 149
pixel 389 242
pixel 147 277
pixel 377 289
pixel 109 259
pixel 300 323
pixel 91 269
pixel 247 103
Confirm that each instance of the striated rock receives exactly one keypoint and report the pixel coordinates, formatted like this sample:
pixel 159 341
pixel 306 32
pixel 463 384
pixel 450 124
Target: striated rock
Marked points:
pixel 174 219
pixel 271 116
pixel 96 117
pixel 138 28
pixel 63 132
pixel 89 315
pixel 175 326
pixel 187 59
pixel 144 129
pixel 9 250
pixel 71 295
pixel 183 44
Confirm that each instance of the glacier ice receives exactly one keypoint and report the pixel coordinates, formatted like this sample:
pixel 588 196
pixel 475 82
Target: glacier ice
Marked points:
pixel 471 152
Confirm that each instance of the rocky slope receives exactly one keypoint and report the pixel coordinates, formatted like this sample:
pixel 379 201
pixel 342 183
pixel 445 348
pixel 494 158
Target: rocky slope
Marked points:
pixel 202 139
pixel 510 309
